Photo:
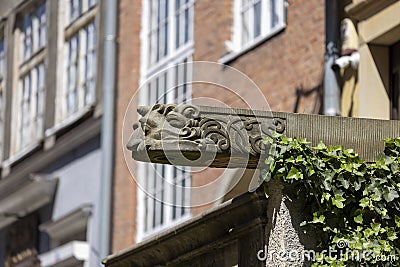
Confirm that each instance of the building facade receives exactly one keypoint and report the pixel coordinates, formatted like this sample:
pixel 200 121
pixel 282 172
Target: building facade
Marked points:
pixel 372 31
pixel 50 121
pixel 278 44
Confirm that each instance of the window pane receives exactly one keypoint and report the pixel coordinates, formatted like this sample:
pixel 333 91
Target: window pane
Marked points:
pixel 274 13
pixel 27 35
pixel 40 98
pixel 177 26
pixel 25 112
pixel 75 9
pixel 92 3
pixel 42 29
pixel 245 27
pixel 257 19
pixel 72 75
pixel 186 25
pixel 90 64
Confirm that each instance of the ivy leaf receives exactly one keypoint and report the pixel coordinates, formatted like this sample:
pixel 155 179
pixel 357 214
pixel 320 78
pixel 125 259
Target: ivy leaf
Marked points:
pixel 357 186
pixel 397 220
pixel 389 195
pixel 338 179
pixel 365 202
pixel 338 201
pixel 376 197
pixel 359 218
pixel 294 174
pixel 376 228
pixel 320 146
pixel 282 170
pixel 325 196
pixel 391 234
pixel 318 219
pixel 383 161
pixel 344 181
pixel 394 167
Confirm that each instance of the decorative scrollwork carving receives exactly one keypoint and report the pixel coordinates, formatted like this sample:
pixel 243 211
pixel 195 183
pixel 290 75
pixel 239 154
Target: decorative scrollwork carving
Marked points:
pixel 193 129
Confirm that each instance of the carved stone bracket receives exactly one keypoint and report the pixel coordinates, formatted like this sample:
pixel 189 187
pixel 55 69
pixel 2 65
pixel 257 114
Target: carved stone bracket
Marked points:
pixel 202 136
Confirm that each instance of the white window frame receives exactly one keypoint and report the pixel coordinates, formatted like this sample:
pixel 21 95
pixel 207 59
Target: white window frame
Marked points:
pixel 76 93
pixel 237 46
pixel 76 8
pixel 30 81
pixel 31 106
pixel 34 31
pixel 175 90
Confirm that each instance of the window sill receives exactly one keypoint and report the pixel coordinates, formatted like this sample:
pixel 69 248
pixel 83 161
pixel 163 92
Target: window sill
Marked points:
pixel 22 154
pixel 68 121
pixel 74 252
pixel 143 236
pixel 235 54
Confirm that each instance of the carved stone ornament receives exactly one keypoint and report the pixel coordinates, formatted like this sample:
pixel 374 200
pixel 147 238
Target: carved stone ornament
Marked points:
pixel 201 136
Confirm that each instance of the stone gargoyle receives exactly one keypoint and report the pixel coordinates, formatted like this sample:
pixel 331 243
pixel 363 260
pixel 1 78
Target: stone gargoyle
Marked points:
pixel 199 136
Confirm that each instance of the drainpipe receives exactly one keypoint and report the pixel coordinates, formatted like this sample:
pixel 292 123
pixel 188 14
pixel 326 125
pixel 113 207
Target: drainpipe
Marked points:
pixel 107 126
pixel 331 86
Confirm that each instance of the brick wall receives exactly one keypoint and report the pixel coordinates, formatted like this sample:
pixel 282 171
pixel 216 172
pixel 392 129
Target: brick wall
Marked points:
pixel 124 204
pixel 292 58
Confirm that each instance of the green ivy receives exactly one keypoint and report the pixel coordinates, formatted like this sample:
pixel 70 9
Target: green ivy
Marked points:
pixel 355 205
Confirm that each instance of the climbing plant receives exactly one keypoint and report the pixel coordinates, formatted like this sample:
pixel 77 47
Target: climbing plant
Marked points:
pixel 355 205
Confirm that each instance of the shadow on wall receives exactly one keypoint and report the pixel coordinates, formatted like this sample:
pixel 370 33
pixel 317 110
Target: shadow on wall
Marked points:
pixel 309 100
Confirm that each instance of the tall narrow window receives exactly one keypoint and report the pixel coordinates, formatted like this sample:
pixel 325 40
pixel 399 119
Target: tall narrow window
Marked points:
pixel 31 106
pixel 29 109
pixel 168 27
pixel 254 20
pixel 81 45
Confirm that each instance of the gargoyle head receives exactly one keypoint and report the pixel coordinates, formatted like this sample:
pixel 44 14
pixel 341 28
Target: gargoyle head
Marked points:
pixel 159 126
pixel 151 126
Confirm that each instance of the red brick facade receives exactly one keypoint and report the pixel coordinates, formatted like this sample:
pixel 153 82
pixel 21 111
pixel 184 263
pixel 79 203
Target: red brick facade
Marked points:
pixel 291 59
pixel 124 200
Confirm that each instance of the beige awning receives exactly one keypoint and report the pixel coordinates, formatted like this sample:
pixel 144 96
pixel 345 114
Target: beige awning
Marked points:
pixel 38 191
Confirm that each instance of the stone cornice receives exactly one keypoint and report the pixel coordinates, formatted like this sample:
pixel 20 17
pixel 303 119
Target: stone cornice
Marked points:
pixel 362 9
pixel 230 138
pixel 202 136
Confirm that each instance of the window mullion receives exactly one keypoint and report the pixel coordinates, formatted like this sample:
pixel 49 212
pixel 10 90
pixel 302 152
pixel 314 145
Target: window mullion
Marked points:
pixel 172 27
pixel 81 67
pixel 35 32
pixel 33 102
pixel 150 198
pixel 265 13
pixel 251 22
pixel 168 193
